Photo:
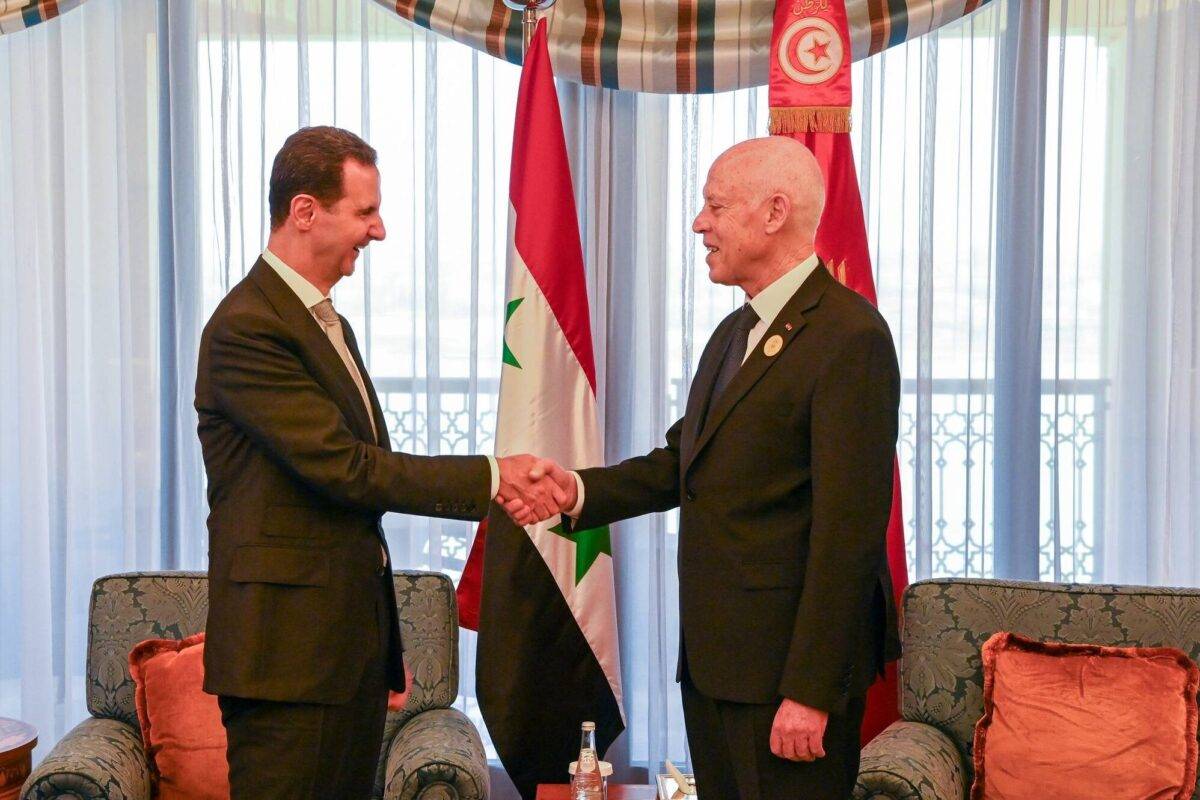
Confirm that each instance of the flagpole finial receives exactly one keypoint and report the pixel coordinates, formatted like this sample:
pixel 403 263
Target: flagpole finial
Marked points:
pixel 529 16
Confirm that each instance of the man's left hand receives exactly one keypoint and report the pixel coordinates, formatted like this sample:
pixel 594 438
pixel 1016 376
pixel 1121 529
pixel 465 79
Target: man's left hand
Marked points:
pixel 798 732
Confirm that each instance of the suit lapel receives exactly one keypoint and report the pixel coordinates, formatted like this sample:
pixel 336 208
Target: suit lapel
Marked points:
pixel 702 385
pixel 330 370
pixel 787 325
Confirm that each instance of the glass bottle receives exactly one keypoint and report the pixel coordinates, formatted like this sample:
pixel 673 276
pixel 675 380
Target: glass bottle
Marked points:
pixel 587 783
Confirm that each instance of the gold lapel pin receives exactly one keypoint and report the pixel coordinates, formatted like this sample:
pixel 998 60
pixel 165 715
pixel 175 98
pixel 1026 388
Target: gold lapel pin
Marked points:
pixel 773 345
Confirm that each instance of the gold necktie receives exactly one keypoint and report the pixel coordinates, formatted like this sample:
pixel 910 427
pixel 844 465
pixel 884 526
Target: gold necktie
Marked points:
pixel 332 324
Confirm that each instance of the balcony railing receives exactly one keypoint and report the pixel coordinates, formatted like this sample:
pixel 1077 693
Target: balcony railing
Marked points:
pixel 956 530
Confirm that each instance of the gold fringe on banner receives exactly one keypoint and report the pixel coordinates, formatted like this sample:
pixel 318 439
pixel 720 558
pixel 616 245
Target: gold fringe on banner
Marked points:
pixel 816 119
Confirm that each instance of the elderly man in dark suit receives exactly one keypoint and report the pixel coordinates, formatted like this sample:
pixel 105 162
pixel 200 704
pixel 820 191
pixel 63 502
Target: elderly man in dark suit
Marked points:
pixel 302 636
pixel 782 469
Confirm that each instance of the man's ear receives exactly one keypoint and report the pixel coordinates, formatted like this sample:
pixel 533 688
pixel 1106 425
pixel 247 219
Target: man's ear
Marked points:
pixel 303 210
pixel 779 208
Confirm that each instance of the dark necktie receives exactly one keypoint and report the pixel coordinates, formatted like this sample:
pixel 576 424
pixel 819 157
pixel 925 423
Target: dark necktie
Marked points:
pixel 736 352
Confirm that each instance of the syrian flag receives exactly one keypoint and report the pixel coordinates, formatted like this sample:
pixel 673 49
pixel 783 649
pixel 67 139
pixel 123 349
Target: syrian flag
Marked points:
pixel 810 101
pixel 547 656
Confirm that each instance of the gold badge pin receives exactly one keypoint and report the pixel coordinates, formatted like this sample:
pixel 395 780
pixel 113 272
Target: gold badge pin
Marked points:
pixel 773 345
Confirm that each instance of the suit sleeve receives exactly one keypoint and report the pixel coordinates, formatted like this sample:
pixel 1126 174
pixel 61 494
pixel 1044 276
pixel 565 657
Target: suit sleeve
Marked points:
pixel 636 486
pixel 854 425
pixel 264 388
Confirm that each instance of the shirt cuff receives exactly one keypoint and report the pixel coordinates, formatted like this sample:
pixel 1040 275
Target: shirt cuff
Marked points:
pixel 495 467
pixel 577 509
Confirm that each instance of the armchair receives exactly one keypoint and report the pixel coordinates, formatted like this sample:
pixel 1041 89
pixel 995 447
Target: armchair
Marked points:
pixel 430 750
pixel 927 754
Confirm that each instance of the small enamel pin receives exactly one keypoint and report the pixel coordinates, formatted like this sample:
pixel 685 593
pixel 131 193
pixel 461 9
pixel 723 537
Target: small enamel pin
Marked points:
pixel 773 345
pixel 787 326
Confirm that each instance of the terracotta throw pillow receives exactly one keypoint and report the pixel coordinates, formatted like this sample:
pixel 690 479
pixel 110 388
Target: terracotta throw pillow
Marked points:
pixel 1084 721
pixel 181 725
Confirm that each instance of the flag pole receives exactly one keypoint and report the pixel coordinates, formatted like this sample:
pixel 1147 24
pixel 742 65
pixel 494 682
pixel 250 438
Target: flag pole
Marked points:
pixel 529 17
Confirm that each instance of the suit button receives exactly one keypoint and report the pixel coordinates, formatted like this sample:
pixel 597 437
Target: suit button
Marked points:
pixel 690 495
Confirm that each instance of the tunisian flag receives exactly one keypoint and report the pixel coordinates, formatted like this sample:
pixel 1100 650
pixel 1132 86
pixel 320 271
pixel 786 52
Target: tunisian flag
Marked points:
pixel 810 101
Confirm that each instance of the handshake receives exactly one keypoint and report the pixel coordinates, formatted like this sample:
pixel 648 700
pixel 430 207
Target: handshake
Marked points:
pixel 534 489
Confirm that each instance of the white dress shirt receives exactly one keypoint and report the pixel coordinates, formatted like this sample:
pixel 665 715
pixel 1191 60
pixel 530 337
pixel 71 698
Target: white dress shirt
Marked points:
pixel 771 300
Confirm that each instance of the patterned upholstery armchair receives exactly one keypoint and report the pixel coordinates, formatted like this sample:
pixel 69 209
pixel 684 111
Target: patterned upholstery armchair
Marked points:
pixel 430 750
pixel 927 754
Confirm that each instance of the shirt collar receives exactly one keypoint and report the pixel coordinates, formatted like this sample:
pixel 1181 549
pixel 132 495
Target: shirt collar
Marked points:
pixel 770 301
pixel 308 294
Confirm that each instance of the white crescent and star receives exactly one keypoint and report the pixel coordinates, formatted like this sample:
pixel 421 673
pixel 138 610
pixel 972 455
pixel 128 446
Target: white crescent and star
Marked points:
pixel 810 51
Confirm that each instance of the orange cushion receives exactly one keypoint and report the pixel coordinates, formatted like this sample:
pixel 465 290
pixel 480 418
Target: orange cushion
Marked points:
pixel 181 725
pixel 1084 721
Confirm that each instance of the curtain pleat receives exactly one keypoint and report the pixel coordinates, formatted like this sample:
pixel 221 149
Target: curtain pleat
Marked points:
pixel 80 440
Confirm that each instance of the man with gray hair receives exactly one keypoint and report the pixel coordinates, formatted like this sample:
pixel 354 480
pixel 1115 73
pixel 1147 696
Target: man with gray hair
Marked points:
pixel 782 469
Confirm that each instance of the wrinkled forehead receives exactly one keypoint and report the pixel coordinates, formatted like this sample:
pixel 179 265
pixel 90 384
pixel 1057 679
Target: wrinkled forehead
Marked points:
pixel 735 174
pixel 723 180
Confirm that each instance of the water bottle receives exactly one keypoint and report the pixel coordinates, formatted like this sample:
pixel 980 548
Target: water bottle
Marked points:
pixel 587 783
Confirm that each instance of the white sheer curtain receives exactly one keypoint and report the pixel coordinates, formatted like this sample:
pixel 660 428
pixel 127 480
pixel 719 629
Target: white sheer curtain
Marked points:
pixel 79 414
pixel 1151 261
pixel 1111 342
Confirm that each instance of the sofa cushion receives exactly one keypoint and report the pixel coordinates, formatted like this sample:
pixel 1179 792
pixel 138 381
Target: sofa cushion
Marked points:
pixel 1084 721
pixel 181 724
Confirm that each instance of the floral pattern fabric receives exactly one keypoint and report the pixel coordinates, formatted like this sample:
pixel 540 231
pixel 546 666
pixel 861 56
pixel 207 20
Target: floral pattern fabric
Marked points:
pixel 437 754
pixel 911 761
pixel 102 757
pixel 946 622
pixel 99 759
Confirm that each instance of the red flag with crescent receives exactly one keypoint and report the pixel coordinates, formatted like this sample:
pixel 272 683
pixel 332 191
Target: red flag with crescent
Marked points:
pixel 810 95
pixel 810 67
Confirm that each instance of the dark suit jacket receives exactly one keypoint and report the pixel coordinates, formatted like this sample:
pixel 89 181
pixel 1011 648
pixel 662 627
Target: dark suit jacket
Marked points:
pixel 296 490
pixel 784 499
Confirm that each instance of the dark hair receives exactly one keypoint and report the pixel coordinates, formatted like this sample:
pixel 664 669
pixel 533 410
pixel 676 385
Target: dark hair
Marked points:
pixel 310 162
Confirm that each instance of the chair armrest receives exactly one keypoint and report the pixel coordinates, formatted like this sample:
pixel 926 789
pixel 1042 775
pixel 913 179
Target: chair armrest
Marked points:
pixel 98 759
pixel 911 761
pixel 436 754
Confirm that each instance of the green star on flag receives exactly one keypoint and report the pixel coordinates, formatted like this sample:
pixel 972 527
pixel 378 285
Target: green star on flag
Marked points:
pixel 589 544
pixel 509 310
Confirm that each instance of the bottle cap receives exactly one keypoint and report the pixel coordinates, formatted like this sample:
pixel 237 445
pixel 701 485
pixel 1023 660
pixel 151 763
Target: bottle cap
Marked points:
pixel 589 726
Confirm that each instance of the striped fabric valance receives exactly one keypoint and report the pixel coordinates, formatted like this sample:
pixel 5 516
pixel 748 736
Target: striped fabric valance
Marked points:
pixel 670 46
pixel 17 15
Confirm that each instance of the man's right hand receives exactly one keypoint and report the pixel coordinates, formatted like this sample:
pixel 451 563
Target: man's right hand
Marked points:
pixel 533 489
pixel 568 488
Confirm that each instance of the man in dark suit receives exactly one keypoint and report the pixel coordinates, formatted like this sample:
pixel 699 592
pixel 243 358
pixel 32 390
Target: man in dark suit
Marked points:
pixel 302 636
pixel 782 469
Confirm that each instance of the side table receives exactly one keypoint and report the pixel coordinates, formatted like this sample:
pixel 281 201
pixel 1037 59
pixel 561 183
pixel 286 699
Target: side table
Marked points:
pixel 17 741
